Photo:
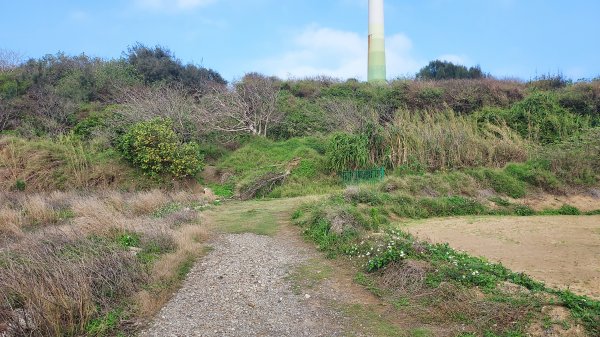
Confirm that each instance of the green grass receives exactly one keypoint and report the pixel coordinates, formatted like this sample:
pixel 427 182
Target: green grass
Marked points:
pixel 223 190
pixel 260 217
pixel 366 320
pixel 309 275
pixel 365 281
pixel 185 267
pixel 373 253
pixel 256 220
pixel 501 182
pixel 262 156
pixel 167 209
pixel 104 325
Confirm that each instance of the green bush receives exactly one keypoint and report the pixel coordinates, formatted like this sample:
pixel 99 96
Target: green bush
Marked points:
pixel 523 210
pixel 348 152
pixel 563 210
pixel 154 147
pixel 536 173
pixel 539 118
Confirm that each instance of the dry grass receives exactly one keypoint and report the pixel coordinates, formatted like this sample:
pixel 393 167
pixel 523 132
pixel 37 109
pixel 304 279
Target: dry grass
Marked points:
pixel 55 279
pixel 449 305
pixel 170 269
pixel 444 140
pixel 38 211
pixel 11 222
pixel 61 164
pixel 54 287
pixel 148 202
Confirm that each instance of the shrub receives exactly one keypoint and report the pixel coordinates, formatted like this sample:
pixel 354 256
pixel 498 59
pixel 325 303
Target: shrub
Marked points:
pixel 154 147
pixel 443 70
pixel 348 152
pixel 563 210
pixel 539 118
pixel 536 173
pixel 523 210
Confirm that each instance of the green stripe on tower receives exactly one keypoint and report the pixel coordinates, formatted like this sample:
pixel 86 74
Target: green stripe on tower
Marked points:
pixel 377 69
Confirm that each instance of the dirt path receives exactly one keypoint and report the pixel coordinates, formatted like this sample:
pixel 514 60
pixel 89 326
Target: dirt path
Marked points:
pixel 260 285
pixel 563 251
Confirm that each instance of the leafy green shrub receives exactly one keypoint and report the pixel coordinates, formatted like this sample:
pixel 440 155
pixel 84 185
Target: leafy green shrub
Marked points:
pixel 20 185
pixel 444 70
pixel 569 210
pixel 563 210
pixel 302 117
pixel 523 210
pixel 154 147
pixel 86 126
pixel 538 118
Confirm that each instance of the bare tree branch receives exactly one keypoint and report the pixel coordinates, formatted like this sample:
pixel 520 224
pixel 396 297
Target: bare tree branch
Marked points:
pixel 249 107
pixel 9 59
pixel 165 101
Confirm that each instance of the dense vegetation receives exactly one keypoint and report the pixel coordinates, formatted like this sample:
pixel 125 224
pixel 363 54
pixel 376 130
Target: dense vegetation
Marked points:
pixel 432 124
pixel 453 141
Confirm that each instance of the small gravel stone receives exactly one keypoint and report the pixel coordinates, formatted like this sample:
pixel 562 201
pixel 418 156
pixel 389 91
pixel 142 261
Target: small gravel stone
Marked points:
pixel 240 289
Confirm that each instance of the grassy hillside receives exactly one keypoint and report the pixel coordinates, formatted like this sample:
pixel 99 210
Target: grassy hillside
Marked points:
pixel 433 283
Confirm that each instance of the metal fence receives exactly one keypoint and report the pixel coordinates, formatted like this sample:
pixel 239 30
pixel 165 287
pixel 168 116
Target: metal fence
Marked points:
pixel 360 176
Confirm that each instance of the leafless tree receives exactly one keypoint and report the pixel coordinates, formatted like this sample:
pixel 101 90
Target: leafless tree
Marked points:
pixel 6 114
pixel 250 106
pixel 345 114
pixel 9 59
pixel 164 101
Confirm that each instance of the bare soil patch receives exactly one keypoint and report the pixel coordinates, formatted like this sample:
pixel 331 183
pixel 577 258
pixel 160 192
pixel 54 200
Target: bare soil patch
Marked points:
pixel 562 251
pixel 585 203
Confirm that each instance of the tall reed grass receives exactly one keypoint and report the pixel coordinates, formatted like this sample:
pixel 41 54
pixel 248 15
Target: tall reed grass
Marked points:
pixel 444 140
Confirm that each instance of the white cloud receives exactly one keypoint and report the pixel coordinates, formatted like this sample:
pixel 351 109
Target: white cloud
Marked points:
pixel 456 59
pixel 343 54
pixel 173 5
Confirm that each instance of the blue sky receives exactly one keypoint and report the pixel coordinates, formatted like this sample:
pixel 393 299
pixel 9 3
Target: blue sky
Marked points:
pixel 297 38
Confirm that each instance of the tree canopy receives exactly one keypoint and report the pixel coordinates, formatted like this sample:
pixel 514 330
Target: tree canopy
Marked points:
pixel 444 70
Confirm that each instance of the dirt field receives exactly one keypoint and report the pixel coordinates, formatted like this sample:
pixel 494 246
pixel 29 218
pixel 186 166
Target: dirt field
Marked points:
pixel 563 251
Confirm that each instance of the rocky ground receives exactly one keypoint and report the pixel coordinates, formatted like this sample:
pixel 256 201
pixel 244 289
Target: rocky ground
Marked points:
pixel 243 288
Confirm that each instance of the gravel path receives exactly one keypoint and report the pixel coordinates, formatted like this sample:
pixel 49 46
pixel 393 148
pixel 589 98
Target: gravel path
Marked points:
pixel 241 289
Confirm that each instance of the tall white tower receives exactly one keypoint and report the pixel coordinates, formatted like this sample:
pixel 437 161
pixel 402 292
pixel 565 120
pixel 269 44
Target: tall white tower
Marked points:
pixel 377 71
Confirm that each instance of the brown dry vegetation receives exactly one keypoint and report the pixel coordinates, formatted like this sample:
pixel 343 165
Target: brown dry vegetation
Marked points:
pixel 449 308
pixel 446 141
pixel 61 164
pixel 69 261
